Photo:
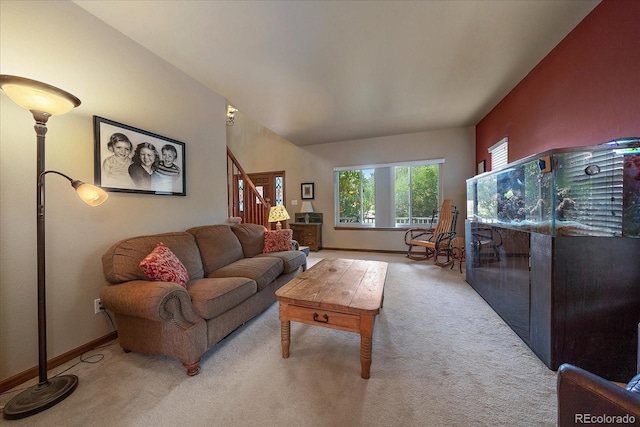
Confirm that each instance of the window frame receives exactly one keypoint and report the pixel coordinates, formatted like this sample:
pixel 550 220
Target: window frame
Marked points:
pixel 387 193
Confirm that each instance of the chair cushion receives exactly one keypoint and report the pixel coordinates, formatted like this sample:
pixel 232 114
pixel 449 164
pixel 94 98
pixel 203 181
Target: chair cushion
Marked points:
pixel 163 265
pixel 292 259
pixel 212 297
pixel 263 270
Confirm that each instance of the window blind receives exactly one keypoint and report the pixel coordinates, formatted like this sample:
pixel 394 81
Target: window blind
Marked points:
pixel 499 153
pixel 599 197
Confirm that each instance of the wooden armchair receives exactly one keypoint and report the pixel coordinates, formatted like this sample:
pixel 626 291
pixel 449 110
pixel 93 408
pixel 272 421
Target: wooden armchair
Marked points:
pixel 437 241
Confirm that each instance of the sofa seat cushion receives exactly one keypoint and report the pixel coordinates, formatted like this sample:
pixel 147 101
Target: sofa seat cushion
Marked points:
pixel 263 270
pixel 213 296
pixel 292 259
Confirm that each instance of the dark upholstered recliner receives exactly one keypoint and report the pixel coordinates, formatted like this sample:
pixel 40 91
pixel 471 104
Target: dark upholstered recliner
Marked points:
pixel 586 398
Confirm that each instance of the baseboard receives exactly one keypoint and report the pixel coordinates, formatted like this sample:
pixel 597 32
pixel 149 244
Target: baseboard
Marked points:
pixel 24 376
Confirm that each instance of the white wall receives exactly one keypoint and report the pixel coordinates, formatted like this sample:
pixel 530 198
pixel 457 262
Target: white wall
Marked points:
pixel 260 150
pixel 61 44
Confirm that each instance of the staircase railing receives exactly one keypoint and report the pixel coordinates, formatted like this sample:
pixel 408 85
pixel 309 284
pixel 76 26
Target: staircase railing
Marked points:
pixel 244 199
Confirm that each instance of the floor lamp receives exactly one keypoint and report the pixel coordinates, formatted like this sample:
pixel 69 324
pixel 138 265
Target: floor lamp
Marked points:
pixel 44 101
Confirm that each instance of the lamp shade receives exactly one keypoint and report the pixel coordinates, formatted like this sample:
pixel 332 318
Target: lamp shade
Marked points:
pixel 306 207
pixel 278 213
pixel 36 96
pixel 90 194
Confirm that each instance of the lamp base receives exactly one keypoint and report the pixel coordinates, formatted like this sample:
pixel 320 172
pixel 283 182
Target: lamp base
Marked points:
pixel 40 397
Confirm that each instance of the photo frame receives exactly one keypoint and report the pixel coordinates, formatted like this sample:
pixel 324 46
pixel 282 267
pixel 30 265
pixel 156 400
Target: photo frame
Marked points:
pixel 132 160
pixel 306 190
pixel 481 166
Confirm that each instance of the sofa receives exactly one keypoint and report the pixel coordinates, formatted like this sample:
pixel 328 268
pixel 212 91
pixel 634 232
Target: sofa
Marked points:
pixel 228 279
pixel 586 398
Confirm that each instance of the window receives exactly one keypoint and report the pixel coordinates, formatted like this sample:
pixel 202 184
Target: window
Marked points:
pixel 499 153
pixel 356 196
pixel 387 195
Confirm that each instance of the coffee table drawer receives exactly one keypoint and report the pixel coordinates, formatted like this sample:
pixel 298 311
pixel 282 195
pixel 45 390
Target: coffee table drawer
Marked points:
pixel 326 318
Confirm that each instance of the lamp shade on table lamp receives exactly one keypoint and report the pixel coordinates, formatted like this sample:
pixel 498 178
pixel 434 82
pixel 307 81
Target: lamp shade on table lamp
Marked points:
pixel 306 207
pixel 277 214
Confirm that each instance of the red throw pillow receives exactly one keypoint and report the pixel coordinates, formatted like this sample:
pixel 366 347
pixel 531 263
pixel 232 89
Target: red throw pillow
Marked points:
pixel 277 240
pixel 163 265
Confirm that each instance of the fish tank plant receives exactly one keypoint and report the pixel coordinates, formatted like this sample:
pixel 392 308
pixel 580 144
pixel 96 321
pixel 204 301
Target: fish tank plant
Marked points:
pixel 577 191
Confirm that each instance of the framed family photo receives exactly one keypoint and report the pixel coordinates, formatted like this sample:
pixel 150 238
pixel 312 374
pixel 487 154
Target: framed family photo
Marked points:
pixel 132 160
pixel 306 190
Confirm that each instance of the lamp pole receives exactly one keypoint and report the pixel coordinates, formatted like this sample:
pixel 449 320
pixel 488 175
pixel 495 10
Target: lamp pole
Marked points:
pixel 41 131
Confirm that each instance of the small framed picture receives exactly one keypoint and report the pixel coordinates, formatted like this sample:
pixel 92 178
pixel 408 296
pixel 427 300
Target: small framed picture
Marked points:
pixel 306 190
pixel 136 161
pixel 481 166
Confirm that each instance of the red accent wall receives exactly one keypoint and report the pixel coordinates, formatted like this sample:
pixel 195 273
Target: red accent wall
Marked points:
pixel 584 92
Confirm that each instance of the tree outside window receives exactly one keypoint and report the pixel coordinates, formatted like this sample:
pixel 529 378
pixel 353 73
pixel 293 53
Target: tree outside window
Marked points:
pixel 416 193
pixel 356 195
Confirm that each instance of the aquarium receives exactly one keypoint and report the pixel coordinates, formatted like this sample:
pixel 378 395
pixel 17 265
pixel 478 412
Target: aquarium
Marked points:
pixel 578 191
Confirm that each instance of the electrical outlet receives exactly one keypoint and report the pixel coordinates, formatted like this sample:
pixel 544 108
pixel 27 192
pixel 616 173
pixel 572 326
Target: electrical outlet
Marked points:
pixel 97 306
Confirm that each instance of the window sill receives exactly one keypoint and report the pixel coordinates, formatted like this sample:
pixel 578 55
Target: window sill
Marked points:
pixel 351 228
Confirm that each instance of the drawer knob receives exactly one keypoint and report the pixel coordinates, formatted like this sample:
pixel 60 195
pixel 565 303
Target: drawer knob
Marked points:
pixel 324 316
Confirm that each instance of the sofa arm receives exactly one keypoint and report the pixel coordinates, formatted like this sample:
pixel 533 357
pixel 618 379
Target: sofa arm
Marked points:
pixel 158 301
pixel 583 395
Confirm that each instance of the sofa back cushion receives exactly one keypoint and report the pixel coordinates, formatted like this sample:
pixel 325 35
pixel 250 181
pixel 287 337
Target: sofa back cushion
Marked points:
pixel 121 262
pixel 251 238
pixel 218 245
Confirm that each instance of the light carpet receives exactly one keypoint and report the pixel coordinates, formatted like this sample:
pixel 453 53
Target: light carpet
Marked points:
pixel 441 357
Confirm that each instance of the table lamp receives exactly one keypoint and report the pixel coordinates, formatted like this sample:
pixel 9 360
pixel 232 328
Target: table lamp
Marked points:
pixel 306 207
pixel 277 214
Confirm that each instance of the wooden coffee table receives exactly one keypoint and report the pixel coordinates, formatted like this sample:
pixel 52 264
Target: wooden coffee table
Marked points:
pixel 343 294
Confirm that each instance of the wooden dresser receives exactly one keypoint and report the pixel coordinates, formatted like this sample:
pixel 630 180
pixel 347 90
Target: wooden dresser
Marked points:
pixel 308 234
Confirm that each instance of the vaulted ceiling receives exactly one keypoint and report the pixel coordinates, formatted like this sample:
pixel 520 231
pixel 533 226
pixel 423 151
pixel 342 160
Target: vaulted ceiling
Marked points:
pixel 326 71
